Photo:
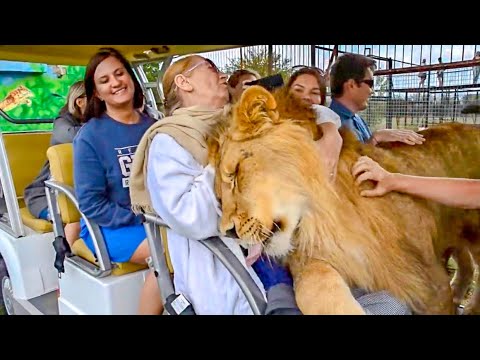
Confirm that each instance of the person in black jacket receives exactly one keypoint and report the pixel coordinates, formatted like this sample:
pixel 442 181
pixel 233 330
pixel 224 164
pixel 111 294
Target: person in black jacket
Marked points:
pixel 65 127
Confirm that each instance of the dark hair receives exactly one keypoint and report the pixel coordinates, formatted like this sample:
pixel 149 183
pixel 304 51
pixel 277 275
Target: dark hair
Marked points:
pixel 96 107
pixel 308 70
pixel 348 66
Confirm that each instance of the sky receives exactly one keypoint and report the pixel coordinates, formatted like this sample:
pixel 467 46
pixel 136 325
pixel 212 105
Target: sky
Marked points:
pixel 404 55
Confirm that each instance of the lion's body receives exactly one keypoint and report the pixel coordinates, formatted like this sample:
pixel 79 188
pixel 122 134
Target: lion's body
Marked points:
pixel 280 197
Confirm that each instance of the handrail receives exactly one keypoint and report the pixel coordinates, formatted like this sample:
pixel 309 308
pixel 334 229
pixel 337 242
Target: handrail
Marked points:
pixel 26 121
pixel 157 257
pixel 222 252
pixel 250 289
pixel 104 267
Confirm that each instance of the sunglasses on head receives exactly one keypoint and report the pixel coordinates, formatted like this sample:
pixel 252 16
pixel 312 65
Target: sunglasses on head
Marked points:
pixel 299 67
pixel 369 82
pixel 209 62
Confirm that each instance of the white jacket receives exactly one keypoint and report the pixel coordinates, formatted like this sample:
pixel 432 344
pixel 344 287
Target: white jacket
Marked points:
pixel 182 194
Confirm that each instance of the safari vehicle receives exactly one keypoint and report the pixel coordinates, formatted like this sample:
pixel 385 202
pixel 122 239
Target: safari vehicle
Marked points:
pixel 42 275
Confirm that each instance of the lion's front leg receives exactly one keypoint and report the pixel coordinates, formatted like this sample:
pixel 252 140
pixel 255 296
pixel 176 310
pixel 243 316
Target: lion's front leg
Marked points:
pixel 320 290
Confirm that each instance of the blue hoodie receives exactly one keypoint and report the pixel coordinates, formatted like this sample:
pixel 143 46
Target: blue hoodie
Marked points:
pixel 103 152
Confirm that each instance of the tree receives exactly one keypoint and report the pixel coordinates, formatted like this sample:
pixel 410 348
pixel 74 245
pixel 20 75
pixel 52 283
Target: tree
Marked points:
pixel 257 59
pixel 151 70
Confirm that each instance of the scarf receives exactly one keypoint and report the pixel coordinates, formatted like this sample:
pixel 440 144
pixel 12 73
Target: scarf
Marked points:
pixel 190 128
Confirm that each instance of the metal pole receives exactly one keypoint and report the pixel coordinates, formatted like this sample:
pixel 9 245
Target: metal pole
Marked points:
pixel 389 100
pixel 270 60
pixel 312 55
pixel 158 261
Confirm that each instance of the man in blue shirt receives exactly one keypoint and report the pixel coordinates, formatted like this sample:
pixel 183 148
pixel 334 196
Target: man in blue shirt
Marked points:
pixel 351 83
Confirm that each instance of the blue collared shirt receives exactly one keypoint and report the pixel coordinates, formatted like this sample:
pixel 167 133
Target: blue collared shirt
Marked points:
pixel 352 121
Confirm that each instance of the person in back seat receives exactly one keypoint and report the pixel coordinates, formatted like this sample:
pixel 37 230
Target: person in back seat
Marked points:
pixel 65 127
pixel 103 152
pixel 236 82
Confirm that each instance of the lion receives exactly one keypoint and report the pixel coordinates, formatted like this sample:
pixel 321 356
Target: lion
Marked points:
pixel 274 192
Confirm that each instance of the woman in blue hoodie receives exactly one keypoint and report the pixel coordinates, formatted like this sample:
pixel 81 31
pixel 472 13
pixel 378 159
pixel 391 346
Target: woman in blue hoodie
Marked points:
pixel 102 156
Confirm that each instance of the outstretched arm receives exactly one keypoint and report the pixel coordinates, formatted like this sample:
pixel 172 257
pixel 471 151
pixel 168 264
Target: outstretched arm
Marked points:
pixel 462 193
pixel 331 142
pixel 409 137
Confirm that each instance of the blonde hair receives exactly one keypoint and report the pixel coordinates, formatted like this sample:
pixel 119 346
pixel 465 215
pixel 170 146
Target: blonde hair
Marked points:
pixel 172 101
pixel 76 90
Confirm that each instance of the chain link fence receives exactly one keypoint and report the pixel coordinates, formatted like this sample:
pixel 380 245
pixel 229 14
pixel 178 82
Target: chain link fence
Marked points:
pixel 400 100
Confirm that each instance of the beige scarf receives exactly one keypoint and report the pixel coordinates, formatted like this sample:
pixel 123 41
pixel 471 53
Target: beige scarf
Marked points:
pixel 190 127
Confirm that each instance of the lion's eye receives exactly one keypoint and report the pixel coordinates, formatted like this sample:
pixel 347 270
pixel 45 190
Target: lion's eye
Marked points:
pixel 234 177
pixel 234 174
pixel 231 177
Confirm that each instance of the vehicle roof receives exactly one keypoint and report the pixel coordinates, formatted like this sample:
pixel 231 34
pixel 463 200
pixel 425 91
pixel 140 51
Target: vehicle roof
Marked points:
pixel 80 54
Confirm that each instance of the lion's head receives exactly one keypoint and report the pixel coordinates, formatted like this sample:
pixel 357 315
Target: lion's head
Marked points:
pixel 261 149
pixel 274 192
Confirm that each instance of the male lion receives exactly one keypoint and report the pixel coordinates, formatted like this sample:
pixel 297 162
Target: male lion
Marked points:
pixel 274 192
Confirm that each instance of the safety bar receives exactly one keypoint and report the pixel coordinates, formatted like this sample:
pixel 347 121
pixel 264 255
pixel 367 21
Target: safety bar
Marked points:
pixel 158 255
pixel 104 268
pixel 4 115
pixel 250 289
pixel 222 252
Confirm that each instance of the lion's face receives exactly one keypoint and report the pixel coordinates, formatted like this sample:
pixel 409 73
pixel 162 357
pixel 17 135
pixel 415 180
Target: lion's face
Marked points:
pixel 258 201
pixel 262 195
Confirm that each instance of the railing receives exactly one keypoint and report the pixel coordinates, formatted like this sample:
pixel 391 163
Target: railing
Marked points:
pixel 155 241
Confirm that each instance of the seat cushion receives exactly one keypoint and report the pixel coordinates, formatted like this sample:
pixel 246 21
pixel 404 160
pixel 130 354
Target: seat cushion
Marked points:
pixel 61 167
pixel 80 249
pixel 163 231
pixel 39 225
pixel 25 164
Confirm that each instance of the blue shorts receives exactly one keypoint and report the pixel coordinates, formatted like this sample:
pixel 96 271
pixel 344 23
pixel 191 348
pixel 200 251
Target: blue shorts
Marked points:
pixel 45 214
pixel 121 242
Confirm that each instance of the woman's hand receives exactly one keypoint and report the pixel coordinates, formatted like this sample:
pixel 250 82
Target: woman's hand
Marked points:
pixel 329 147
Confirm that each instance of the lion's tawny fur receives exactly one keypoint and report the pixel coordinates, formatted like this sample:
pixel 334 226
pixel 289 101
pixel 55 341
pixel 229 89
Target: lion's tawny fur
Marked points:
pixel 396 242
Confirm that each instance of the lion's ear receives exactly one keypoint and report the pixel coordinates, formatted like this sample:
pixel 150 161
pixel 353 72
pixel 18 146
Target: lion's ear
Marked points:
pixel 255 112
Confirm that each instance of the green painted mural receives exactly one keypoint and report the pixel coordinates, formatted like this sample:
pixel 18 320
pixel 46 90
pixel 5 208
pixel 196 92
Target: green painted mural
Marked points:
pixel 34 91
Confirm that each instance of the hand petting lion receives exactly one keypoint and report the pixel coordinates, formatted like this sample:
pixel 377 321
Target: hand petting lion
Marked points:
pixel 274 192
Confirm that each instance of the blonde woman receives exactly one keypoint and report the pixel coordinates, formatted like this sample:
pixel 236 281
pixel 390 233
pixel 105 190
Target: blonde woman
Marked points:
pixel 173 164
pixel 65 127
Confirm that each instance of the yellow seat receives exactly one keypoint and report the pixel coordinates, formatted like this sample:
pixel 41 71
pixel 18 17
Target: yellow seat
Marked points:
pixel 61 168
pixel 26 154
pixel 163 231
pixel 39 225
